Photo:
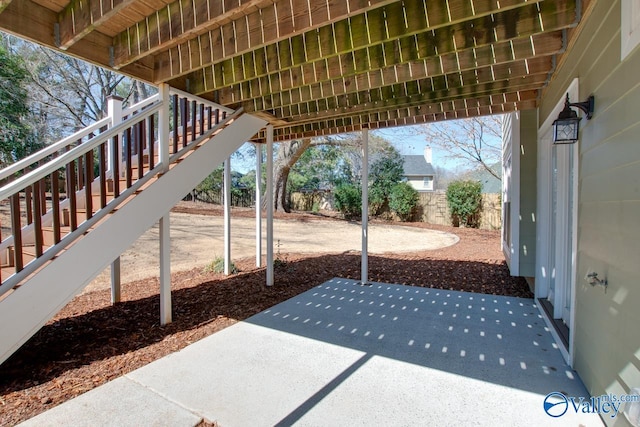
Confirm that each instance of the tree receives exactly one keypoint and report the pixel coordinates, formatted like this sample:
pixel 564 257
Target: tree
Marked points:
pixel 288 154
pixel 386 172
pixel 66 93
pixel 343 164
pixel 16 133
pixel 477 140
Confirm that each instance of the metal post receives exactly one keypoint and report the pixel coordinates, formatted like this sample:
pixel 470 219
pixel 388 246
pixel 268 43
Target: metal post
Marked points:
pixel 258 207
pixel 269 196
pixel 227 216
pixel 163 128
pixel 365 206
pixel 165 270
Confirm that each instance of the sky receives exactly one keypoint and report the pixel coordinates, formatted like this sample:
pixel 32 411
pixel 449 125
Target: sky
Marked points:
pixel 406 139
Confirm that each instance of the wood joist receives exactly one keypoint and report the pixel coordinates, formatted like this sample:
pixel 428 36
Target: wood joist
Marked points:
pixel 437 105
pixel 402 81
pixel 397 96
pixel 81 17
pixel 400 99
pixel 354 71
pixel 392 119
pixel 318 66
pixel 37 23
pixel 392 21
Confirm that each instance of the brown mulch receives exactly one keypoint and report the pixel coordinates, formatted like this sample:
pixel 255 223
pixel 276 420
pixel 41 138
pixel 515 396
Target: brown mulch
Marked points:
pixel 91 342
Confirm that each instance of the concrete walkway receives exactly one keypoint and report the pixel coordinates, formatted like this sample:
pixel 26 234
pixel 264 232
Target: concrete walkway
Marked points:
pixel 342 354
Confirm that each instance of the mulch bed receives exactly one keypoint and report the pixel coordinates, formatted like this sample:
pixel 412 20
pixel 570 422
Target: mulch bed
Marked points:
pixel 91 342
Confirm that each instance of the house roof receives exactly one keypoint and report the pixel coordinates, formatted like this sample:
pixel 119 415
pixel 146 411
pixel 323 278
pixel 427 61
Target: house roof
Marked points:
pixel 416 165
pixel 315 68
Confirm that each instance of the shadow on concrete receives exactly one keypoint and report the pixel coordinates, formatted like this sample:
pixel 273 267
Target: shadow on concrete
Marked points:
pixel 496 339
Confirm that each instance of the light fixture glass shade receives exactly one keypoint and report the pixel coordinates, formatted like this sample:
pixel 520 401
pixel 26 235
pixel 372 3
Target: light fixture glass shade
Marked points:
pixel 565 130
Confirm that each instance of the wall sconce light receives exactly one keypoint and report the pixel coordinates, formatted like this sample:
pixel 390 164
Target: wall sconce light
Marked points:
pixel 567 125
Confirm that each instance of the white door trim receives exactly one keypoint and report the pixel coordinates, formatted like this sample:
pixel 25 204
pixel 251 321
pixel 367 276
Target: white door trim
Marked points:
pixel 545 216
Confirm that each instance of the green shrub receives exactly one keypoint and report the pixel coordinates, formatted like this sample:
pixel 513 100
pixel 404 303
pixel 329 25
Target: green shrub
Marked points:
pixel 377 199
pixel 348 198
pixel 403 200
pixel 465 202
pixel 217 266
pixel 385 173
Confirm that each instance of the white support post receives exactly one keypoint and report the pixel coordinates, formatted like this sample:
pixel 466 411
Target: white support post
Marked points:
pixel 116 294
pixel 165 270
pixel 269 197
pixel 258 207
pixel 165 236
pixel 114 109
pixel 164 118
pixel 227 216
pixel 365 206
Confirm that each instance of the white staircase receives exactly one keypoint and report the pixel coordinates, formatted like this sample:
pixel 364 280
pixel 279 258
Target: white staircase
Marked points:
pixel 68 240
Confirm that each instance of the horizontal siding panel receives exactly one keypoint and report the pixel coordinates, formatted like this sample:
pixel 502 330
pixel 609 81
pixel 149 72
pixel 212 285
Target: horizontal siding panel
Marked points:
pixel 612 217
pixel 597 346
pixel 622 184
pixel 603 52
pixel 608 250
pixel 621 150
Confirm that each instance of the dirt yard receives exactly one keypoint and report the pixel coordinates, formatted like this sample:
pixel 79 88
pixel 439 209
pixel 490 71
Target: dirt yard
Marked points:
pixel 91 342
pixel 197 240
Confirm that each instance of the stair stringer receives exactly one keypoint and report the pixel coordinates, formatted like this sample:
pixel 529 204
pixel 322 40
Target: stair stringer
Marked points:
pixel 29 307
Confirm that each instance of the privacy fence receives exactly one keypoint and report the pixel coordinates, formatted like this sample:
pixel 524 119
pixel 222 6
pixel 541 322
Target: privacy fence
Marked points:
pixel 432 207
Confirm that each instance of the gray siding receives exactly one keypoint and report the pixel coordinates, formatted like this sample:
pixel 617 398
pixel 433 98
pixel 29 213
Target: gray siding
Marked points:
pixel 528 188
pixel 607 325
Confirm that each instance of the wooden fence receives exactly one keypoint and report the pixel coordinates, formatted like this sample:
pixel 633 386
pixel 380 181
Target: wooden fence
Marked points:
pixel 432 207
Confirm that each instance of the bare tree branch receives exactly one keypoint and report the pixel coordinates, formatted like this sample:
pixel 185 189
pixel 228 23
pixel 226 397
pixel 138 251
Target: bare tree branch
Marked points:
pixel 477 140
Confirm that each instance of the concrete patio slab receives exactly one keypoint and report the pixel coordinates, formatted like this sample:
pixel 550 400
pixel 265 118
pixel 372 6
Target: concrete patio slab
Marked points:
pixel 118 403
pixel 346 354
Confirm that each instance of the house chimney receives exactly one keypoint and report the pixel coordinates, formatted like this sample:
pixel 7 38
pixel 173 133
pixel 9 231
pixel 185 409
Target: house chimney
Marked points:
pixel 427 154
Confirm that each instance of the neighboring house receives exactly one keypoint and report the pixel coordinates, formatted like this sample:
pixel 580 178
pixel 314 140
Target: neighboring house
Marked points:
pixel 419 172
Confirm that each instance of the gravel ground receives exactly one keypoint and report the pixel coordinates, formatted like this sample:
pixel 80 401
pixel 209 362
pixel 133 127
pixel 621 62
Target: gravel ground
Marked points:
pixel 91 342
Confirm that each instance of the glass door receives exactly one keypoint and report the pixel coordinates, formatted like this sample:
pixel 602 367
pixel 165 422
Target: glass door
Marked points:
pixel 562 231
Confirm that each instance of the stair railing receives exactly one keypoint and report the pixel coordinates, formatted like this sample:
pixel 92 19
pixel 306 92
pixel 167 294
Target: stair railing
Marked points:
pixel 99 166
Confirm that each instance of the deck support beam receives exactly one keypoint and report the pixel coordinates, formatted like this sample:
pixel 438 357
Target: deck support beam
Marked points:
pixel 227 216
pixel 165 270
pixel 269 196
pixel 114 110
pixel 258 205
pixel 165 238
pixel 365 207
pixel 116 286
